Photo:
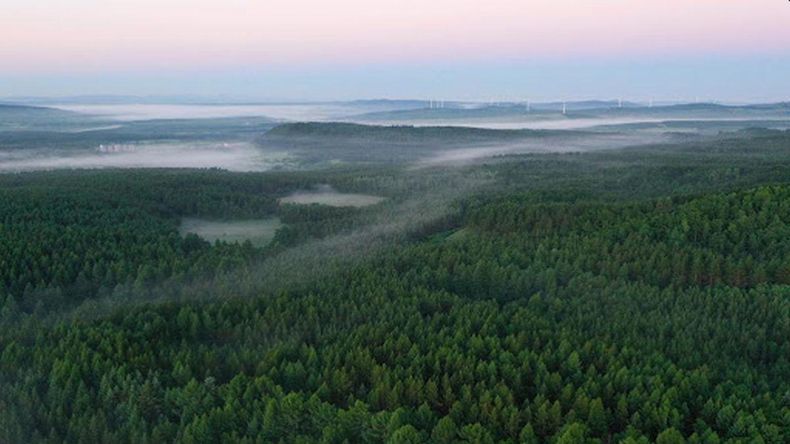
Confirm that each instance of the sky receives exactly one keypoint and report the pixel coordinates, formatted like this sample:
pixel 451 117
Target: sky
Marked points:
pixel 726 50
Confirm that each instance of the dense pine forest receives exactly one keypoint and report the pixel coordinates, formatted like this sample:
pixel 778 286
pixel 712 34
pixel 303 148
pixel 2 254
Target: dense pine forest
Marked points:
pixel 634 295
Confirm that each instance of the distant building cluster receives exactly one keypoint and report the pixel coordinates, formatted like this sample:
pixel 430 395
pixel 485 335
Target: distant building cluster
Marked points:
pixel 115 148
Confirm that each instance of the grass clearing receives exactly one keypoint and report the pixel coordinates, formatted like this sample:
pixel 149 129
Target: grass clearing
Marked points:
pixel 258 231
pixel 326 195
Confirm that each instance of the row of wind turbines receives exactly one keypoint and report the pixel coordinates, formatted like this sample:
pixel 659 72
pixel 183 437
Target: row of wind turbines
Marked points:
pixel 440 104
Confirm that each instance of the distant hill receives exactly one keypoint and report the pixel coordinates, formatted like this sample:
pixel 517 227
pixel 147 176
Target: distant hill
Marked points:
pixel 704 111
pixel 583 105
pixel 535 111
pixel 447 113
pixel 24 117
pixel 585 109
pixel 9 108
pixel 397 133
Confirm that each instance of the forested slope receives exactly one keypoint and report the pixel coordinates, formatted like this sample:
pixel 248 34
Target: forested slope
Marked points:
pixel 70 236
pixel 657 320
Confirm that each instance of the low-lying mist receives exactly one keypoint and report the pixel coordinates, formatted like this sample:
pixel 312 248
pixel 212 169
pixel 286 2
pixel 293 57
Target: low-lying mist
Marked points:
pixel 572 143
pixel 236 156
pixel 326 195
pixel 258 231
pixel 420 202
pixel 304 265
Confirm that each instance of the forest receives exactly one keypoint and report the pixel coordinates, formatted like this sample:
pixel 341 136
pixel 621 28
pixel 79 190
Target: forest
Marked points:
pixel 630 295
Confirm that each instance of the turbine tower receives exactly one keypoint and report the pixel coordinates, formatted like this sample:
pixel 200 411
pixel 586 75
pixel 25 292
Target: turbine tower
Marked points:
pixel 564 108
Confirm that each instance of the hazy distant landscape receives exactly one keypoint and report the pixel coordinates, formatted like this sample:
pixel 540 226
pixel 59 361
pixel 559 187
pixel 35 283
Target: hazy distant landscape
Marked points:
pixel 263 137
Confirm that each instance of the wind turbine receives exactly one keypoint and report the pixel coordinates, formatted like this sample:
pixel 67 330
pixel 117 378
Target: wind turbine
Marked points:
pixel 564 109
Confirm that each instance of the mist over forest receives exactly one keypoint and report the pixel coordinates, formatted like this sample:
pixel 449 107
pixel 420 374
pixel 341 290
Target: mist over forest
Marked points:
pixel 394 271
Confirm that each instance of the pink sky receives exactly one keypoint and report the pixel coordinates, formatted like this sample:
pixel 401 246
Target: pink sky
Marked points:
pixel 84 35
pixel 95 35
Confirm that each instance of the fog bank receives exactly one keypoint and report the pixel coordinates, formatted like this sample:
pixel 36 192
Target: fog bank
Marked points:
pixel 232 157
